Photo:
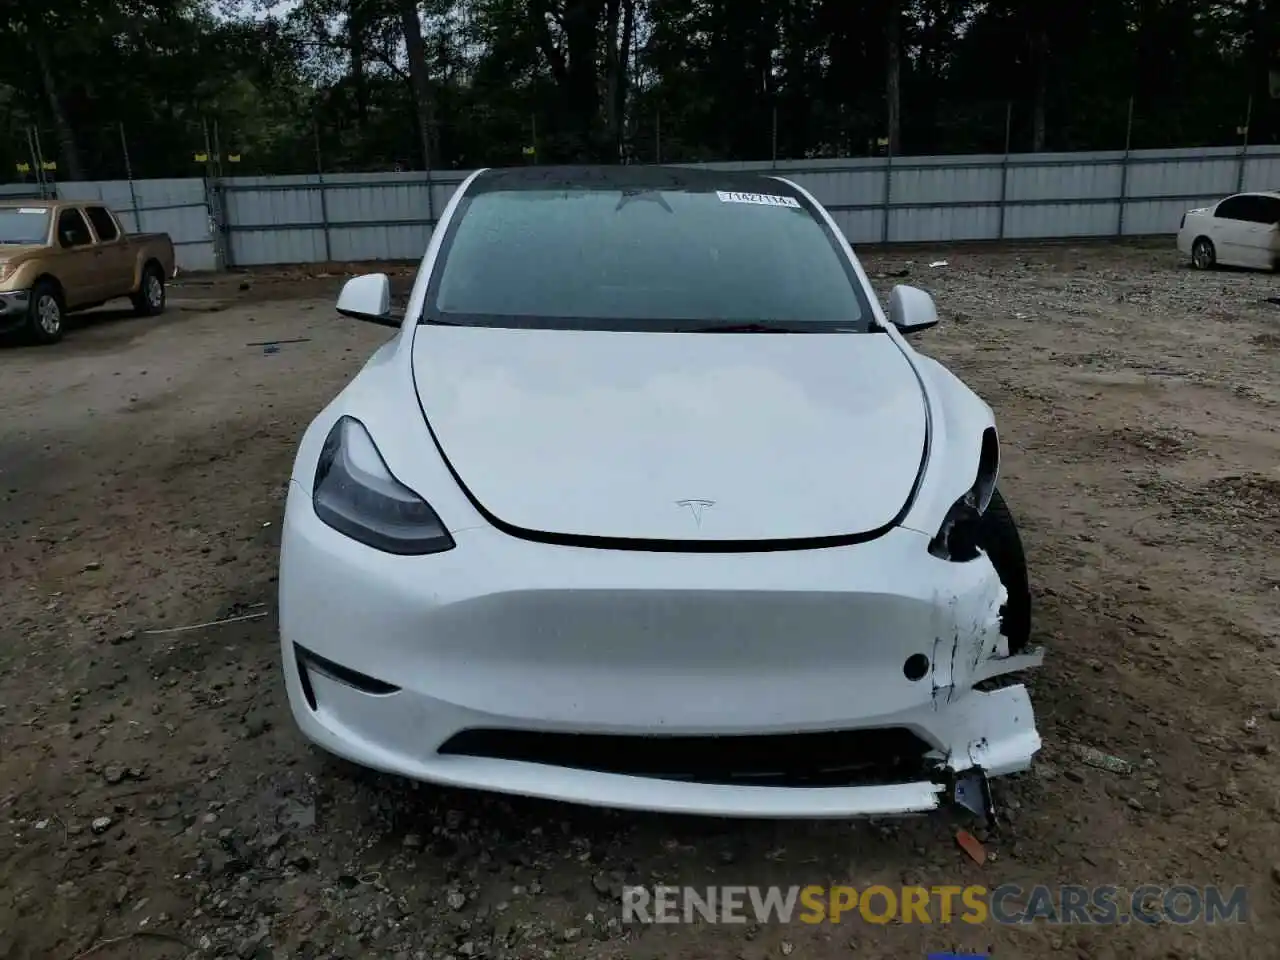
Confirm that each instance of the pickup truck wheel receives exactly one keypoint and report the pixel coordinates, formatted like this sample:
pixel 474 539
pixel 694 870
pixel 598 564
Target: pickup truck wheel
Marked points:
pixel 149 300
pixel 44 322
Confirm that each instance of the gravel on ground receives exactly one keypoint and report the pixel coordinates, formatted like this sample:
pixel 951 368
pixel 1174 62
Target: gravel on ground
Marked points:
pixel 156 800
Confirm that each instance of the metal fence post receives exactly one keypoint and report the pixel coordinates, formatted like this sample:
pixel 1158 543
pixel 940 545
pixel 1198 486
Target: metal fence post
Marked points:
pixel 1124 173
pixel 214 200
pixel 217 151
pixel 1244 144
pixel 431 197
pixel 1004 166
pixel 36 165
pixel 774 140
pixel 888 192
pixel 218 226
pixel 324 200
pixel 128 172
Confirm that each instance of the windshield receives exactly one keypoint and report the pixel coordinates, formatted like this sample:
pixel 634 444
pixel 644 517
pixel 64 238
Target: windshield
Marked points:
pixel 609 257
pixel 24 225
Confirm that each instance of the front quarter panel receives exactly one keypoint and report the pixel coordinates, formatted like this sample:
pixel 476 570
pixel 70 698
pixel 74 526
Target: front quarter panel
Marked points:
pixel 957 419
pixel 383 398
pixel 957 416
pixel 30 266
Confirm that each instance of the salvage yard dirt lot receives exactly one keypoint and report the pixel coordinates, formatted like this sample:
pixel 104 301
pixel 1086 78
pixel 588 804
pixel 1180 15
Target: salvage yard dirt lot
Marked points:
pixel 143 464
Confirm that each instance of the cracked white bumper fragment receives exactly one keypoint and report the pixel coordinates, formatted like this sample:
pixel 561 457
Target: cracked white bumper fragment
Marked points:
pixel 502 634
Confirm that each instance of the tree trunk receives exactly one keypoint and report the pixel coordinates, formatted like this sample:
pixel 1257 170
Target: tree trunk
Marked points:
pixel 893 78
pixel 574 68
pixel 1040 87
pixel 418 78
pixel 1263 58
pixel 624 69
pixel 355 47
pixel 61 125
pixel 581 31
pixel 756 120
pixel 617 62
pixel 612 20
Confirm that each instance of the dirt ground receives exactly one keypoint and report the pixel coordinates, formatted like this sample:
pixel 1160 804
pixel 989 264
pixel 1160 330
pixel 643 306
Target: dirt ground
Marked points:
pixel 157 802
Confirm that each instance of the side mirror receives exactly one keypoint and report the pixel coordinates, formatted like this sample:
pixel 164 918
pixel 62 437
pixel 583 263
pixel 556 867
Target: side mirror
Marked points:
pixel 911 309
pixel 368 297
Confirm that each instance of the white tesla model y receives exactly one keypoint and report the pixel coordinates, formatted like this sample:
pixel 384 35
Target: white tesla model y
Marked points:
pixel 648 503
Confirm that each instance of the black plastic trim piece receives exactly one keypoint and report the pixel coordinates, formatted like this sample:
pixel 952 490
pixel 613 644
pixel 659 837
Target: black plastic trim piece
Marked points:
pixel 829 758
pixel 339 673
pixel 304 678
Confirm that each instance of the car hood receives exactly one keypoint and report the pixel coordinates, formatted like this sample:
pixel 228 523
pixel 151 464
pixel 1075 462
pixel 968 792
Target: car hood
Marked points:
pixel 675 437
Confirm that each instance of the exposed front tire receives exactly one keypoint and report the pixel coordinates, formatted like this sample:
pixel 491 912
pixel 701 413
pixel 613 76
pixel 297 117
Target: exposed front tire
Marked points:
pixel 47 313
pixel 150 298
pixel 998 537
pixel 1203 254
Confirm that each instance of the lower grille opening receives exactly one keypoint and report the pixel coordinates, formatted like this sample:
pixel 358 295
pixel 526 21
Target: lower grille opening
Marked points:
pixel 845 758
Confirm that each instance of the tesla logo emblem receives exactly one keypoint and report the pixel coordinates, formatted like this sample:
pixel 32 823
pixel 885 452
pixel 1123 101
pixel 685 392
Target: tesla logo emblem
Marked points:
pixel 696 507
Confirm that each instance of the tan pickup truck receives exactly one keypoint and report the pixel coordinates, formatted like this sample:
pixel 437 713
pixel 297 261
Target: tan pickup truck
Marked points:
pixel 60 256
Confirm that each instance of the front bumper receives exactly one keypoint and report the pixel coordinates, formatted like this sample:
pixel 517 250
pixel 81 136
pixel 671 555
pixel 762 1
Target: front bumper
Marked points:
pixel 405 658
pixel 14 305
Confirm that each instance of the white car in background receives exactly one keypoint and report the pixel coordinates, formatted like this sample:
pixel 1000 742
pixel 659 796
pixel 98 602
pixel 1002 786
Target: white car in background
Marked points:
pixel 649 503
pixel 1240 231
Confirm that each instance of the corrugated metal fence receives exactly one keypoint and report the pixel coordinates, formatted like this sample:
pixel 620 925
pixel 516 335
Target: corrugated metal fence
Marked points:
pixel 249 221
pixel 370 216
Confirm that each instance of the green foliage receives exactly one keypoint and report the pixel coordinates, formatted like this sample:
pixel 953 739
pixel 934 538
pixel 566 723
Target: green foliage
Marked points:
pixel 325 84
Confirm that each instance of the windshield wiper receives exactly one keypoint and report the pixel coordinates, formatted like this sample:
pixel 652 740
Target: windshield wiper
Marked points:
pixel 748 328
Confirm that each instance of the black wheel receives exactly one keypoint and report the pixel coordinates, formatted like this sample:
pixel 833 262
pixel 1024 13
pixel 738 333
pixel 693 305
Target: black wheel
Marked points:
pixel 47 310
pixel 149 300
pixel 1203 255
pixel 998 536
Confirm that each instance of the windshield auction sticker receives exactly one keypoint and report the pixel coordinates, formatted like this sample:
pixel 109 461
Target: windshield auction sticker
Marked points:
pixel 759 199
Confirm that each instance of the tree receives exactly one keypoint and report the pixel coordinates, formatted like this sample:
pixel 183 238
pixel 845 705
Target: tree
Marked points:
pixel 371 84
pixel 418 76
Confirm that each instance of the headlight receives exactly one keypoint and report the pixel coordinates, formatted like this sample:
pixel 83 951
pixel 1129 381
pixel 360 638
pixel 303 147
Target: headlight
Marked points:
pixel 959 536
pixel 356 494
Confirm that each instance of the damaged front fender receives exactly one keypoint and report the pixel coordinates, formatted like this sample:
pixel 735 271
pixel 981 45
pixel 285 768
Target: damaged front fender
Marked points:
pixel 968 650
pixel 969 647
